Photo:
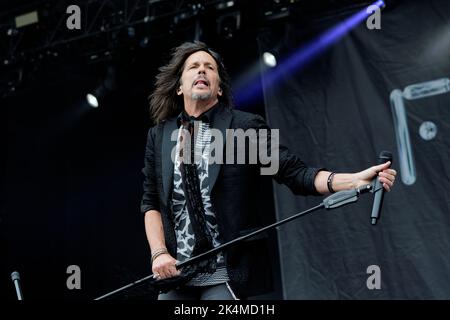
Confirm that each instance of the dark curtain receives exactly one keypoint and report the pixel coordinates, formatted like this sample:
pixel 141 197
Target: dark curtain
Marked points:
pixel 373 90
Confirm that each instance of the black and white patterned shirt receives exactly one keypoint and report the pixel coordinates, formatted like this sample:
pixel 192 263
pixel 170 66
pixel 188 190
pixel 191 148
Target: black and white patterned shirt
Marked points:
pixel 183 227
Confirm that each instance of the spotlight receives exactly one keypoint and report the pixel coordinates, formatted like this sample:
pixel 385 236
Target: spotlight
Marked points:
pixel 97 97
pixel 12 32
pixel 269 59
pixel 108 85
pixel 92 100
pixel 225 5
pixel 301 57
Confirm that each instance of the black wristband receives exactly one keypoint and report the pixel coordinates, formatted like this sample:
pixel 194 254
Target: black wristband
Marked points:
pixel 329 181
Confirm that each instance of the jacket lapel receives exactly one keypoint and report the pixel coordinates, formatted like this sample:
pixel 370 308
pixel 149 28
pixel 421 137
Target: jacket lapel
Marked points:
pixel 167 164
pixel 222 121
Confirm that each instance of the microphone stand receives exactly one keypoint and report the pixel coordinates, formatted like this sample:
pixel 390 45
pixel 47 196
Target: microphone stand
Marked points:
pixel 333 201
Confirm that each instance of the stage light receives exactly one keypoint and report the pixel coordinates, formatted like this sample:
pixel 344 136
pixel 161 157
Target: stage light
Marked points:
pixel 269 59
pixel 224 5
pixel 92 100
pixel 97 97
pixel 301 57
pixel 11 32
pixel 108 85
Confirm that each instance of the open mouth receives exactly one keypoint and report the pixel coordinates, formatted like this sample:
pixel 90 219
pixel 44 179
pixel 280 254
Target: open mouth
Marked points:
pixel 200 83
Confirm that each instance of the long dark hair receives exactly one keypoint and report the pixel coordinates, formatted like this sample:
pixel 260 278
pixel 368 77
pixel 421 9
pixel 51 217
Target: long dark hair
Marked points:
pixel 164 101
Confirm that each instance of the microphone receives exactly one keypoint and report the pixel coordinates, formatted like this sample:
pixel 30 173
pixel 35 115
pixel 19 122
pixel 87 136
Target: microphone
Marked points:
pixel 15 277
pixel 378 189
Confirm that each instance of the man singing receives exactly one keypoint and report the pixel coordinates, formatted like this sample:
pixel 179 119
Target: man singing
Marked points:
pixel 192 204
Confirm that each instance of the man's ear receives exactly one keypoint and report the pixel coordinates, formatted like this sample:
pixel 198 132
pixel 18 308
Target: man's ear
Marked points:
pixel 179 91
pixel 219 92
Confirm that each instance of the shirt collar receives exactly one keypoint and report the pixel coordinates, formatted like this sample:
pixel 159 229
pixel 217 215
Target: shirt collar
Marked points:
pixel 206 117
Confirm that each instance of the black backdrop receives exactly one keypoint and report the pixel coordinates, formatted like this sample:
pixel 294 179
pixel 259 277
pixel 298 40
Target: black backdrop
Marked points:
pixel 337 113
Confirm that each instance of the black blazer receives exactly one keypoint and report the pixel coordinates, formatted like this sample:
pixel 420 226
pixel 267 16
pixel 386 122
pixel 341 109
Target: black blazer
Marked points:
pixel 232 195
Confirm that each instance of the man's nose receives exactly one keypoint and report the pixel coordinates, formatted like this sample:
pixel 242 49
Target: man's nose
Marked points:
pixel 202 69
